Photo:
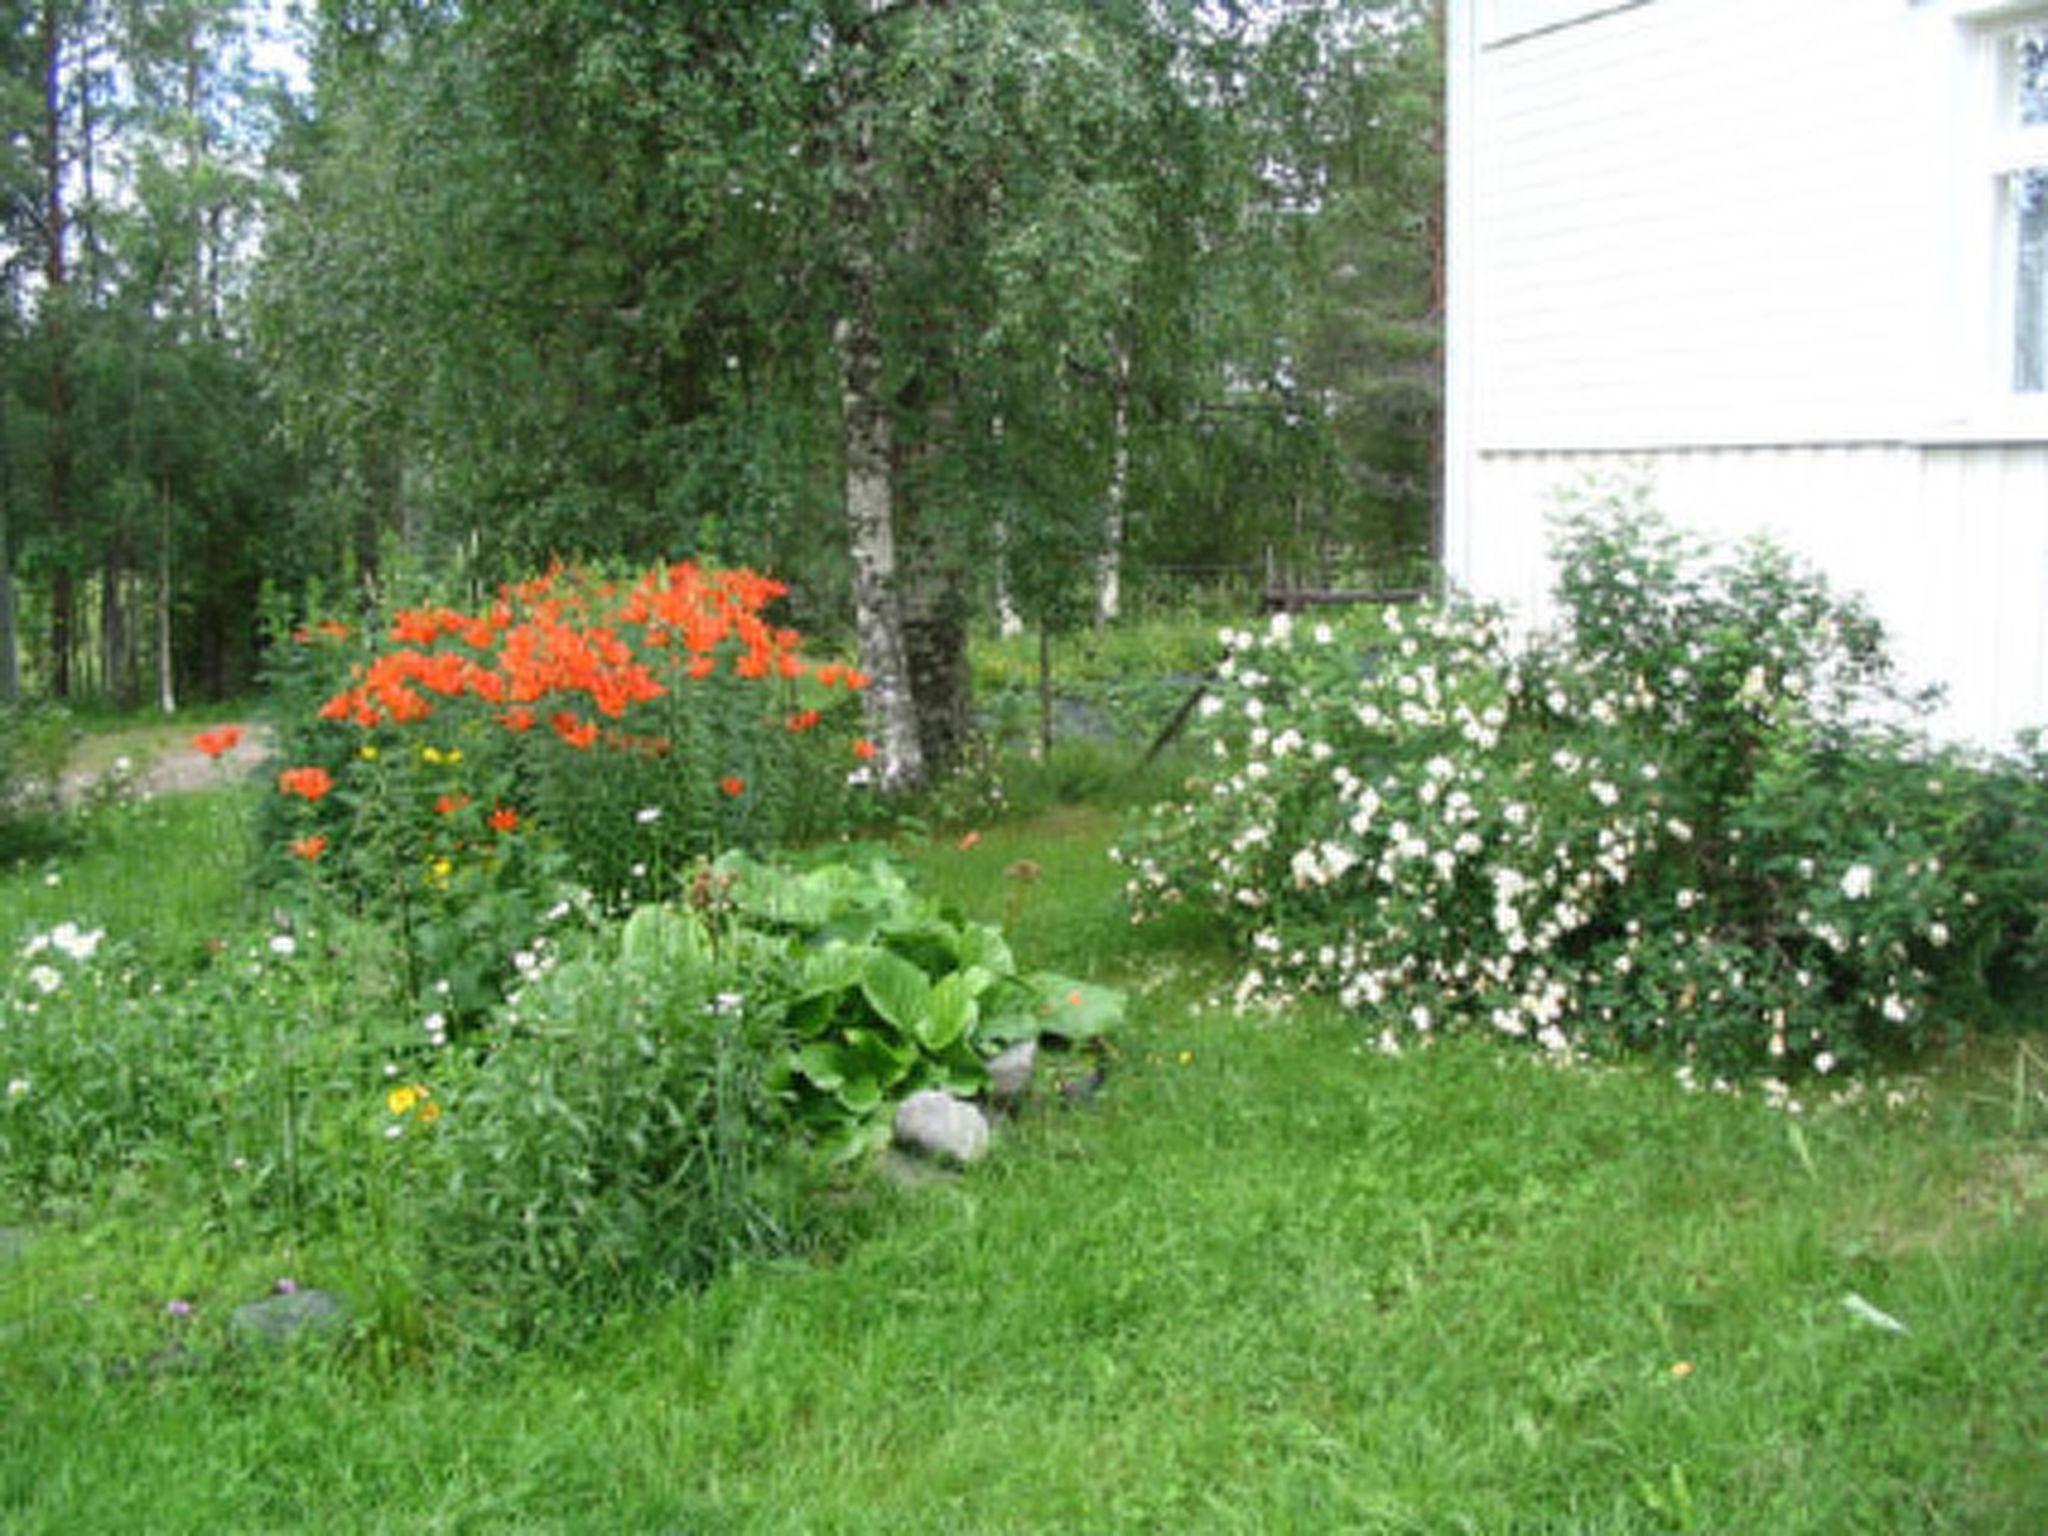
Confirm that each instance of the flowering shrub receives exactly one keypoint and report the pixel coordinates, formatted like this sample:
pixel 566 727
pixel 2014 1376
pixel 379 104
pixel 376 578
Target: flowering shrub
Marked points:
pixel 456 772
pixel 1662 825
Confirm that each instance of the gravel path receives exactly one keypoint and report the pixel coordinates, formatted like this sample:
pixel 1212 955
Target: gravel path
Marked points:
pixel 182 768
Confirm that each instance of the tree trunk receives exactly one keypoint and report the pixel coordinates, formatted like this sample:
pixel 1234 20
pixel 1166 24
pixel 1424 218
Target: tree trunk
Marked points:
pixel 1109 565
pixel 166 691
pixel 63 596
pixel 868 427
pixel 10 653
pixel 114 674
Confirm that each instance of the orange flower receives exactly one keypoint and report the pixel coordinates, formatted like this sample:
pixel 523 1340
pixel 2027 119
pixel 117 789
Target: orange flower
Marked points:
pixel 864 750
pixel 214 743
pixel 703 667
pixel 802 720
pixel 448 805
pixel 578 734
pixel 518 719
pixel 310 848
pixel 856 679
pixel 504 819
pixel 312 783
pixel 969 841
pixel 733 785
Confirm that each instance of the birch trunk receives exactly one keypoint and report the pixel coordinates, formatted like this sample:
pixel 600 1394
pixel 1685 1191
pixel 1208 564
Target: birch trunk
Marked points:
pixel 869 430
pixel 1109 565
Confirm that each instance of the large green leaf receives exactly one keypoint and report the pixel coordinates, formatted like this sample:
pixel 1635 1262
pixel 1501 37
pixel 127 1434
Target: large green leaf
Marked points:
pixel 952 1013
pixel 898 991
pixel 1076 1010
pixel 665 937
pixel 983 944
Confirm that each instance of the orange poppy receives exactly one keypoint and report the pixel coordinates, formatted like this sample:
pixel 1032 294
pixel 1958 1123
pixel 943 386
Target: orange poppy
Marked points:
pixel 312 783
pixel 310 848
pixel 215 743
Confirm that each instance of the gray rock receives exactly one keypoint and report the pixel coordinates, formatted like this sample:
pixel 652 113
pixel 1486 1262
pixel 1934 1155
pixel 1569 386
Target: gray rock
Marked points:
pixel 939 1126
pixel 287 1318
pixel 1010 1073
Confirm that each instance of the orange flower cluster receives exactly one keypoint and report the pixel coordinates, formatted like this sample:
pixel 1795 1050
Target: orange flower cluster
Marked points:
pixel 310 783
pixel 217 742
pixel 557 640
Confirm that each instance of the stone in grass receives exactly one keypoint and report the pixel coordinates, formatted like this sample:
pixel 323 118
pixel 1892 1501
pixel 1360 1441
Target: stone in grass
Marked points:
pixel 288 1318
pixel 938 1126
pixel 1010 1073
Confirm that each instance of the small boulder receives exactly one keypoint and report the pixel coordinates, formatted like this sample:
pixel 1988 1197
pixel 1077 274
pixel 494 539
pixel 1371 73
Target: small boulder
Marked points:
pixel 939 1126
pixel 1010 1073
pixel 288 1318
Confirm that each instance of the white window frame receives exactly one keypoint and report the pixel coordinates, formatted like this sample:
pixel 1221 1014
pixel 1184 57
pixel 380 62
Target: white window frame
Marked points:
pixel 1984 263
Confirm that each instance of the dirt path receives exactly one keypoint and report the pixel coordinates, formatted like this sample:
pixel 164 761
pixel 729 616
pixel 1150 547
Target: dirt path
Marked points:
pixel 177 767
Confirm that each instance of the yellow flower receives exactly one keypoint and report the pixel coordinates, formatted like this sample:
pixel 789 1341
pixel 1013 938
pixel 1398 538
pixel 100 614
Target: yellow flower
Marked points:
pixel 438 873
pixel 452 756
pixel 430 754
pixel 402 1098
pixel 367 753
pixel 429 1112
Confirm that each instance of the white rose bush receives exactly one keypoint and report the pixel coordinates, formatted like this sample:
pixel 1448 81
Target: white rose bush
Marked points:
pixel 1692 819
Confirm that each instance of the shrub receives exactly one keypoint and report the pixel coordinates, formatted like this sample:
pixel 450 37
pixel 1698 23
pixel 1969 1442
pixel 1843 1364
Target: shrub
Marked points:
pixel 456 773
pixel 1669 823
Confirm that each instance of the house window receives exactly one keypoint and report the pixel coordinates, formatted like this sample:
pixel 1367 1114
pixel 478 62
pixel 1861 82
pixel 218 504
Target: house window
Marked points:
pixel 2021 164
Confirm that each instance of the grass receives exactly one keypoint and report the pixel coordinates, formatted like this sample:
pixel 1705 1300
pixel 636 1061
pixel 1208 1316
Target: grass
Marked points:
pixel 1266 1281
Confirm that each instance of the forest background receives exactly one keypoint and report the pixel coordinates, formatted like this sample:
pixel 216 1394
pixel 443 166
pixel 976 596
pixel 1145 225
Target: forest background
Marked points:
pixel 946 312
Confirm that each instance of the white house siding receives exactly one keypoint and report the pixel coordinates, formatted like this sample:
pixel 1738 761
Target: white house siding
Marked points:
pixel 1714 241
pixel 1950 545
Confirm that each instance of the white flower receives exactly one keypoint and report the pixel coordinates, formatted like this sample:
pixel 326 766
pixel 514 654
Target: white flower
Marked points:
pixel 1678 830
pixel 79 946
pixel 1210 705
pixel 1324 634
pixel 45 979
pixel 727 1003
pixel 1856 882
pixel 1686 898
pixel 1896 1008
pixel 1604 792
pixel 1824 1063
pixel 283 945
pixel 647 815
pixel 1419 1017
pixel 1938 935
pixel 17 1087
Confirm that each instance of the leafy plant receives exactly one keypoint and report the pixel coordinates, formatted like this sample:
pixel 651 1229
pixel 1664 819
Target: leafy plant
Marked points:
pixel 892 994
pixel 1676 821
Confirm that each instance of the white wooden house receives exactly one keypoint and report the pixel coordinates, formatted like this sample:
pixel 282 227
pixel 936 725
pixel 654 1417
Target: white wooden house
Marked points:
pixel 1791 256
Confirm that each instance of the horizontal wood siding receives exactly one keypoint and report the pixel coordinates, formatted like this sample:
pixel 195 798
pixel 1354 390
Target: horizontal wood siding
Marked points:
pixel 1704 221
pixel 1950 545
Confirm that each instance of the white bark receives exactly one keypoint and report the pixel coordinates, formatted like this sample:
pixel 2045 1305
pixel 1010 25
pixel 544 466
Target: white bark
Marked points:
pixel 869 432
pixel 1109 564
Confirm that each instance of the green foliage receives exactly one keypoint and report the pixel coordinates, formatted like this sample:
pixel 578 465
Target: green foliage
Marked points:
pixel 1671 824
pixel 35 744
pixel 891 994
pixel 618 1133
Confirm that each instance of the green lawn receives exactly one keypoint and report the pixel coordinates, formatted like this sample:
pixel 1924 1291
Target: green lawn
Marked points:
pixel 1267 1280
